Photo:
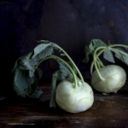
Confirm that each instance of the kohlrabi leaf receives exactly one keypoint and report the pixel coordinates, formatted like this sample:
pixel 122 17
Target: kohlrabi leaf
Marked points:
pixel 88 52
pixel 25 82
pixel 22 82
pixel 44 41
pixel 94 44
pixel 108 55
pixel 65 73
pixel 26 67
pixel 44 48
pixel 122 56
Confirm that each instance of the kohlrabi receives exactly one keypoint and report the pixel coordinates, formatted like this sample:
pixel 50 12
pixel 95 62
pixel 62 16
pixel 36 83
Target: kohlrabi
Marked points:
pixel 72 94
pixel 74 100
pixel 110 78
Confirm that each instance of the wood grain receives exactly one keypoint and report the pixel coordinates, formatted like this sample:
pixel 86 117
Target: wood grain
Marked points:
pixel 109 111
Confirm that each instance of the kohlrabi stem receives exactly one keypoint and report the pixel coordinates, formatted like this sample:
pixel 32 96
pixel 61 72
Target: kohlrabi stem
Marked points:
pixel 92 66
pixel 118 45
pixel 68 66
pixel 98 54
pixel 103 49
pixel 97 70
pixel 97 57
pixel 100 62
pixel 96 61
pixel 70 59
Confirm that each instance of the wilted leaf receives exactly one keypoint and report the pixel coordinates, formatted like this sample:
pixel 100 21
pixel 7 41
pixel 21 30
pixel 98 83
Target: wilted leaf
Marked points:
pixel 25 82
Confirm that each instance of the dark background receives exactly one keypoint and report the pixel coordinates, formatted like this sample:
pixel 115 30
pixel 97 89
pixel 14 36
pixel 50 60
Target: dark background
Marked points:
pixel 70 23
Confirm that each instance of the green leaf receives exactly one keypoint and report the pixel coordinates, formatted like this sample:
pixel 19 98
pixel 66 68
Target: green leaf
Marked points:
pixel 94 44
pixel 122 56
pixel 87 54
pixel 25 82
pixel 64 72
pixel 108 55
pixel 22 82
pixel 42 48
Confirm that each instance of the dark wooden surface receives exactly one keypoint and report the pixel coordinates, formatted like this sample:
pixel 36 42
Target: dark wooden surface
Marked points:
pixel 109 111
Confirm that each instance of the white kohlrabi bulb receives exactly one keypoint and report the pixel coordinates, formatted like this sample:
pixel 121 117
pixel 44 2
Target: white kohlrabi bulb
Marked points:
pixel 73 99
pixel 114 78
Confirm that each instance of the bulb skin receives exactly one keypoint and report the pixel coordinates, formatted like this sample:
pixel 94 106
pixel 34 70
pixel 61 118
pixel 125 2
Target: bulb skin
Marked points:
pixel 74 99
pixel 114 79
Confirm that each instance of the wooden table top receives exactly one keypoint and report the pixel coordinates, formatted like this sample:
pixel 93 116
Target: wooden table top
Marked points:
pixel 109 111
